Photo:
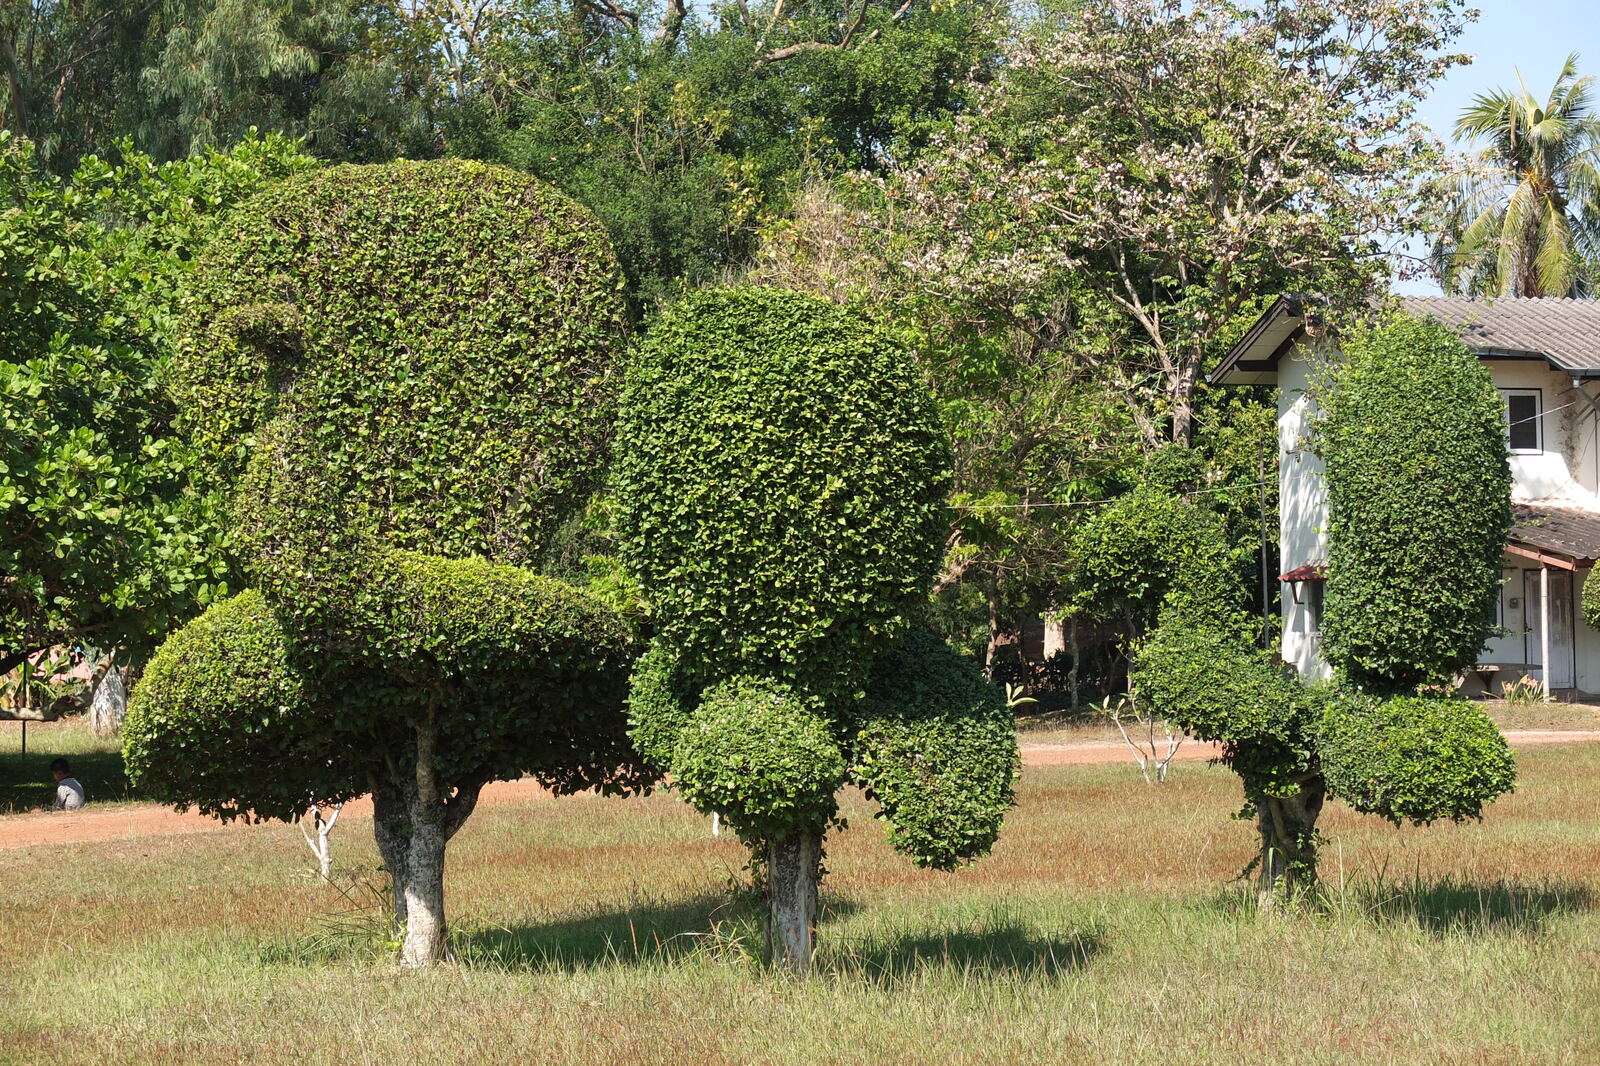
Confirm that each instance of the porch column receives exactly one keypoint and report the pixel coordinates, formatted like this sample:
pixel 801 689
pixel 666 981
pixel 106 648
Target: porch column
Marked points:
pixel 1544 626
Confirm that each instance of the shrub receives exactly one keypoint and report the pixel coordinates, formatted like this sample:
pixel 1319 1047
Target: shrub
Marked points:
pixel 408 370
pixel 781 491
pixel 225 720
pixel 761 755
pixel 1414 759
pixel 936 746
pixel 1412 433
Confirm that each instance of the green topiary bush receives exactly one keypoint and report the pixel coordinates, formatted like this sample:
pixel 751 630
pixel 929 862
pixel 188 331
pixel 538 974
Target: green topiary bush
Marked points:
pixel 1414 759
pixel 781 488
pixel 407 372
pixel 224 719
pixel 763 756
pixel 1412 433
pixel 780 484
pixel 936 746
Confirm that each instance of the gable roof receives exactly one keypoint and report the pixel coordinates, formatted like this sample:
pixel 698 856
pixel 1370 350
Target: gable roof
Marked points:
pixel 1564 333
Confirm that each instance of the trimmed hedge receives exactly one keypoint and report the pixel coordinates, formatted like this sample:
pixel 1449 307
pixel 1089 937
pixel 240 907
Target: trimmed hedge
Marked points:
pixel 225 720
pixel 763 757
pixel 1412 759
pixel 935 744
pixel 1412 433
pixel 1217 687
pixel 780 486
pixel 660 704
pixel 435 343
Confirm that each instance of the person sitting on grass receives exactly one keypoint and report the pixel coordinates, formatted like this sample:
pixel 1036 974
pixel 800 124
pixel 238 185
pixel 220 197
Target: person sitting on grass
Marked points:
pixel 69 793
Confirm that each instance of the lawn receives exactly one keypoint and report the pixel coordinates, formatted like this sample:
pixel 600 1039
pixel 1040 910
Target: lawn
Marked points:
pixel 1103 929
pixel 25 780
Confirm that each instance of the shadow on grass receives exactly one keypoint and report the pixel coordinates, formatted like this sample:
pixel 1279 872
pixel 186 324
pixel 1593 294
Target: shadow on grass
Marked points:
pixel 997 949
pixel 1455 905
pixel 25 780
pixel 1436 905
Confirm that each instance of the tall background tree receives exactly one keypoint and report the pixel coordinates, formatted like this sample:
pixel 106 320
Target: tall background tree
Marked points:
pixel 1523 214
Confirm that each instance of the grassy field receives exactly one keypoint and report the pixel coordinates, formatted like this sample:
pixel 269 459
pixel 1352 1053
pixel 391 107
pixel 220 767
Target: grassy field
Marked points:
pixel 1103 930
pixel 25 780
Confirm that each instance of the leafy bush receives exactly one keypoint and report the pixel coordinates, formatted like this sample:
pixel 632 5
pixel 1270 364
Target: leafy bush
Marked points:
pixel 781 487
pixel 762 756
pixel 1414 759
pixel 430 344
pixel 225 720
pixel 1412 433
pixel 936 746
pixel 1215 686
pixel 1151 551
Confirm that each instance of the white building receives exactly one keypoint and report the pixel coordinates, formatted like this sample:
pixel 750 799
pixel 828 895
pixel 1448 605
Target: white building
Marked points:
pixel 1544 356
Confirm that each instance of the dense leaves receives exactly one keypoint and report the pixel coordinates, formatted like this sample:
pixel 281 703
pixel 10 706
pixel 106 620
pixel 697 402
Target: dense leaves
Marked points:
pixel 1413 436
pixel 761 755
pixel 106 532
pixel 779 477
pixel 1414 758
pixel 780 480
pixel 935 745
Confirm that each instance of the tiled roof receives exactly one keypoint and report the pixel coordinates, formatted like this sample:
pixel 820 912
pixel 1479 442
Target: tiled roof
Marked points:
pixel 1567 532
pixel 1566 332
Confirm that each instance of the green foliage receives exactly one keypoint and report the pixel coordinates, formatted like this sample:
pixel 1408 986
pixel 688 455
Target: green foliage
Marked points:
pixel 1214 686
pixel 1412 433
pixel 106 530
pixel 780 484
pixel 1414 758
pixel 421 355
pixel 660 704
pixel 935 744
pixel 225 720
pixel 1151 551
pixel 761 755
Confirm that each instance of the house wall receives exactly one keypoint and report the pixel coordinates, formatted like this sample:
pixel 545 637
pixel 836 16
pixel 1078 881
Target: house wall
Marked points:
pixel 1567 471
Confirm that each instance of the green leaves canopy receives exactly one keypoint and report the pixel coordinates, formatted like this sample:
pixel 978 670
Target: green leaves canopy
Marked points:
pixel 1413 437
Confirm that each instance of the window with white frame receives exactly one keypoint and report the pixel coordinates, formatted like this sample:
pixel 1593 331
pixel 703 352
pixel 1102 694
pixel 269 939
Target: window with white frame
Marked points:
pixel 1524 426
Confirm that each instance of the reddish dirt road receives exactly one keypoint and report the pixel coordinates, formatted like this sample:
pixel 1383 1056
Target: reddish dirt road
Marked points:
pixel 138 820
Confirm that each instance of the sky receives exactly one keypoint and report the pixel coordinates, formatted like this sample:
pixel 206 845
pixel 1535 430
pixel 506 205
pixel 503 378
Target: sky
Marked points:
pixel 1533 36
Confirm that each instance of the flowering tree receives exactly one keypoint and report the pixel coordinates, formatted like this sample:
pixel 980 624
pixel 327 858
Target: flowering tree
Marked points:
pixel 1143 170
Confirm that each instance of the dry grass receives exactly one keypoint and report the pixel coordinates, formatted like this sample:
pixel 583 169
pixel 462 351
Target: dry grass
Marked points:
pixel 1103 929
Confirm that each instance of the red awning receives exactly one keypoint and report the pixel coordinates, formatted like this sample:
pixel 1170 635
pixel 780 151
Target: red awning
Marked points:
pixel 1308 572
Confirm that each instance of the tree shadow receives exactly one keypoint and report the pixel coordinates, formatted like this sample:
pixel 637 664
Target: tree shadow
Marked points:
pixel 1450 904
pixel 708 924
pixel 1003 948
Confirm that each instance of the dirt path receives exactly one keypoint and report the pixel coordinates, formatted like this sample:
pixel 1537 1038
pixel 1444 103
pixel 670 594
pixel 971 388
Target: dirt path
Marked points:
pixel 139 820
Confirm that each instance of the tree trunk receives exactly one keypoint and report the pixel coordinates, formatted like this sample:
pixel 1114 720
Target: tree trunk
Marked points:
pixel 1288 828
pixel 793 866
pixel 392 832
pixel 424 885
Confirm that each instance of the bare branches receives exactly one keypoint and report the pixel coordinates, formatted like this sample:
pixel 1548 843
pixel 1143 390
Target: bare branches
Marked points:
pixel 851 35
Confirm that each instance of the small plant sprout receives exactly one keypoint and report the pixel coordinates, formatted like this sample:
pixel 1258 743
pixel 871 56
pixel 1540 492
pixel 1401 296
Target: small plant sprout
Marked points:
pixel 1016 696
pixel 1152 754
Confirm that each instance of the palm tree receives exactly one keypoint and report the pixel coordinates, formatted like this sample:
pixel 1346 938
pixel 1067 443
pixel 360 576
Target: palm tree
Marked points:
pixel 1523 218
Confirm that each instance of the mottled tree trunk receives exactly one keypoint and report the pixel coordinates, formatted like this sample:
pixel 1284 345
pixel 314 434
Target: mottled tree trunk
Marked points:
pixel 1288 828
pixel 793 867
pixel 424 884
pixel 392 831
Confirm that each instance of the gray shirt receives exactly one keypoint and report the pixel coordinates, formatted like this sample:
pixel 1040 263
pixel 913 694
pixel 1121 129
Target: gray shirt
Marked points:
pixel 69 794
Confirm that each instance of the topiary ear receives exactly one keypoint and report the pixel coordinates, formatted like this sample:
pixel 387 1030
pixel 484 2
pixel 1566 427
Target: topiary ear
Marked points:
pixel 935 745
pixel 762 757
pixel 1412 759
pixel 661 702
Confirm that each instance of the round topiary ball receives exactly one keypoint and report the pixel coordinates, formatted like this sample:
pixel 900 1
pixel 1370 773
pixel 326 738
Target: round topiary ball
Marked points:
pixel 763 757
pixel 224 711
pixel 781 486
pixel 1413 759
pixel 935 744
